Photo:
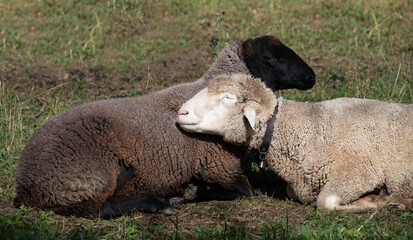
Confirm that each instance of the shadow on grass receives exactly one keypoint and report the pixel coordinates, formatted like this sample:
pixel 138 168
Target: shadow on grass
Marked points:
pixel 266 180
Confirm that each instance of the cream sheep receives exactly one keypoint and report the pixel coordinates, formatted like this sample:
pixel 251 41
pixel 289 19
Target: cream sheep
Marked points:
pixel 112 157
pixel 331 153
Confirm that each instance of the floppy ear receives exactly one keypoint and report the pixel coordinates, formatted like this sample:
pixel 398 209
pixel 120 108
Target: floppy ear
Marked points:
pixel 250 114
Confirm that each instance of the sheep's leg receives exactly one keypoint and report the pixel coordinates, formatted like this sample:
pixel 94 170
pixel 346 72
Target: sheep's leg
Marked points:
pixel 243 186
pixel 344 191
pixel 206 192
pixel 226 181
pixel 367 203
pixel 351 178
pixel 239 189
pixel 146 203
pixel 399 184
pixel 210 192
pixel 332 201
pixel 401 203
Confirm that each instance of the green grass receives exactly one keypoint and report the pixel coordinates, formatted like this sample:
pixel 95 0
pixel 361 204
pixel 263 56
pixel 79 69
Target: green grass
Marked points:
pixel 357 49
pixel 388 224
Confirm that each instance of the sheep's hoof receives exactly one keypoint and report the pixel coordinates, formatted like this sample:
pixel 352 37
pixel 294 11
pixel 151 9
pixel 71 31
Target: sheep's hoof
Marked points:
pixel 175 200
pixel 401 203
pixel 147 203
pixel 402 206
pixel 169 211
pixel 191 192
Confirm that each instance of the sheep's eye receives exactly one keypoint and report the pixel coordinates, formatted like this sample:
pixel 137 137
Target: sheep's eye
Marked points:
pixel 270 58
pixel 228 96
pixel 273 60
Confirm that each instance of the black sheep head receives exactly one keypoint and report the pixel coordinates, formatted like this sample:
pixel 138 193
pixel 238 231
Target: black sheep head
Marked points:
pixel 276 64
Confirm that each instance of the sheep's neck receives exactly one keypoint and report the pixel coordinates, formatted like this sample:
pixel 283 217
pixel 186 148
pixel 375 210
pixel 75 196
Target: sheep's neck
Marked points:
pixel 257 140
pixel 227 62
pixel 265 145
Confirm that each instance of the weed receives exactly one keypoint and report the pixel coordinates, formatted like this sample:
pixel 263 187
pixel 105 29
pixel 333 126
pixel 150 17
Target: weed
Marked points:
pixel 219 39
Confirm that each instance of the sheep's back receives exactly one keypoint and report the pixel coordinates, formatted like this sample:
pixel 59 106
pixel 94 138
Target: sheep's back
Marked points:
pixel 368 128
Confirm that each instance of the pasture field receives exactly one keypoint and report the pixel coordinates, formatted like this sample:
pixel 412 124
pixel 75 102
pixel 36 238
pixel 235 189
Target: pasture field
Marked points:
pixel 58 54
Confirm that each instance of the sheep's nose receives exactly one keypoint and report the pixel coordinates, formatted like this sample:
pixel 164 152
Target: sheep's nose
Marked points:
pixel 183 112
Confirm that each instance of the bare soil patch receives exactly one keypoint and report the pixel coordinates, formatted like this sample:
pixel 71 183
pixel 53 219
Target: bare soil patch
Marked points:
pixel 167 70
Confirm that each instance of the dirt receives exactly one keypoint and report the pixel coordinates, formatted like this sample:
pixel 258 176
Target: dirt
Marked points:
pixel 169 69
pixel 250 213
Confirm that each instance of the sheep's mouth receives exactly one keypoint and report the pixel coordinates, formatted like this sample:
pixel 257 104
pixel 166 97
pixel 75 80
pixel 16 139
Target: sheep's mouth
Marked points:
pixel 187 127
pixel 183 122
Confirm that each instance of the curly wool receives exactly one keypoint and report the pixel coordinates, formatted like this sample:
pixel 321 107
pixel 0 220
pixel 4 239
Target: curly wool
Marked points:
pixel 331 153
pixel 72 164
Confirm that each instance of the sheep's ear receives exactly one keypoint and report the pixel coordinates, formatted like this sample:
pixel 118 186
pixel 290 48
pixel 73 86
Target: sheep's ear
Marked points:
pixel 247 49
pixel 250 114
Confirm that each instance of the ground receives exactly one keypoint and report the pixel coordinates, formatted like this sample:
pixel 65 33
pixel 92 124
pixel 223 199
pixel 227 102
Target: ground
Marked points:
pixel 55 55
pixel 268 212
pixel 172 68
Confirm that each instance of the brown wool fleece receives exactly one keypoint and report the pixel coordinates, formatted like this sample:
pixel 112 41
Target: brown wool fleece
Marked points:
pixel 71 164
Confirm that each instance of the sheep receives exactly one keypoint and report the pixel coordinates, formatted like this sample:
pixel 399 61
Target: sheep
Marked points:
pixel 112 157
pixel 331 153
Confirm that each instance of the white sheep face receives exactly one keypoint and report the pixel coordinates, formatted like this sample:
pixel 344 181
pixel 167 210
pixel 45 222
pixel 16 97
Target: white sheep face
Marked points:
pixel 230 107
pixel 206 112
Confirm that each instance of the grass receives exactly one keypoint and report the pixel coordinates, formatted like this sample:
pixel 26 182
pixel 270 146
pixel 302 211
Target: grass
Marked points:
pixel 58 54
pixel 28 223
